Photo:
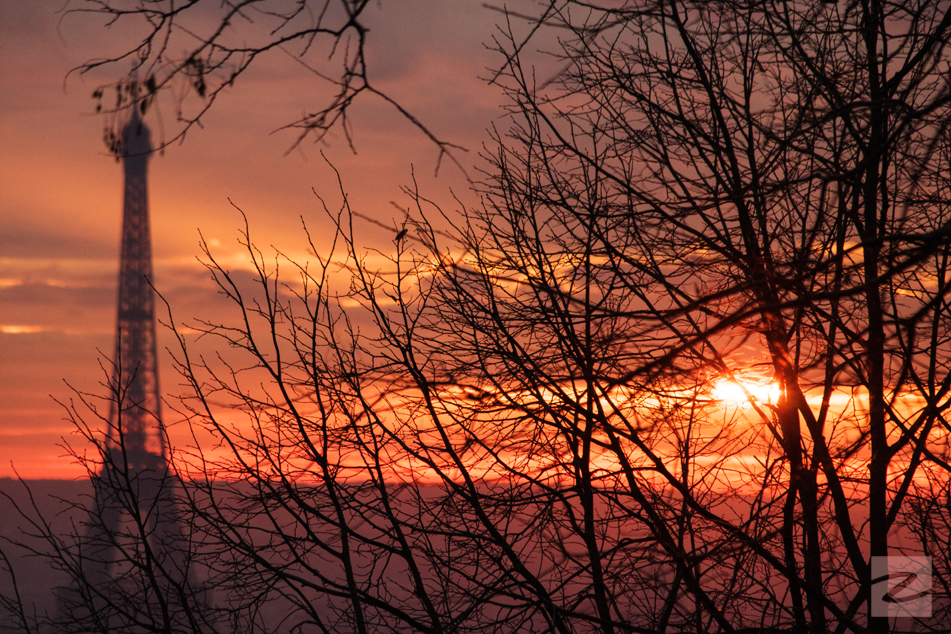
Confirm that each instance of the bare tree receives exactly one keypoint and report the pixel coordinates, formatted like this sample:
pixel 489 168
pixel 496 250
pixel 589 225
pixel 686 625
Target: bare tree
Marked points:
pixel 221 41
pixel 520 421
pixel 778 173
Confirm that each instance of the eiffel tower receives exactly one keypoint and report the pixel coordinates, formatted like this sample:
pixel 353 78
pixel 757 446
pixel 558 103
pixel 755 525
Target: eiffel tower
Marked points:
pixel 135 423
pixel 135 515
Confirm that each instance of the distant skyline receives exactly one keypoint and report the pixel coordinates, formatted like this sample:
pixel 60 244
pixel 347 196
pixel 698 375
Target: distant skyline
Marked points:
pixel 60 192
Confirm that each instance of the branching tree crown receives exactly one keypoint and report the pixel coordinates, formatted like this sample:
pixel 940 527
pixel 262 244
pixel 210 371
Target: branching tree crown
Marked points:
pixel 522 422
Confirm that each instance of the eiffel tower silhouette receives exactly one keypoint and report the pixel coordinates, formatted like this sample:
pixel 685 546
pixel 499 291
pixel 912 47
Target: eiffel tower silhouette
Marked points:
pixel 135 520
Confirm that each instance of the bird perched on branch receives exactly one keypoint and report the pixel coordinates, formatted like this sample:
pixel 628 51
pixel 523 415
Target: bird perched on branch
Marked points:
pixel 401 234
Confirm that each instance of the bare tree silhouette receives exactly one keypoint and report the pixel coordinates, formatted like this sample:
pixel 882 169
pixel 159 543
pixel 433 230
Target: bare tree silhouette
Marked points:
pixel 191 52
pixel 520 422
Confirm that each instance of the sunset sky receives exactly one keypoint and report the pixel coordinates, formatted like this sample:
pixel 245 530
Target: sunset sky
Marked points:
pixel 60 192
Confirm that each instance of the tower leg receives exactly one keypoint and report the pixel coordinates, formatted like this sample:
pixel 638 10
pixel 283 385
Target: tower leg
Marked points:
pixel 84 605
pixel 134 568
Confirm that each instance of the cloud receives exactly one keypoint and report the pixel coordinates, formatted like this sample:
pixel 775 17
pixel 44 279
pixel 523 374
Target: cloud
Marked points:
pixel 28 236
pixel 60 293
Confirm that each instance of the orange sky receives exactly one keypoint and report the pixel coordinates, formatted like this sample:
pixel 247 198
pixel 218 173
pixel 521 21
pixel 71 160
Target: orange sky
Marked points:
pixel 60 193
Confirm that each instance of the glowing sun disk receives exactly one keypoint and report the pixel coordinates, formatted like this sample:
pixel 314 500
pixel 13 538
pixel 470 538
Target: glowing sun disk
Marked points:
pixel 741 393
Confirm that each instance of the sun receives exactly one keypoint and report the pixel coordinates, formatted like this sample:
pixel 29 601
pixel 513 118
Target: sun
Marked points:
pixel 743 393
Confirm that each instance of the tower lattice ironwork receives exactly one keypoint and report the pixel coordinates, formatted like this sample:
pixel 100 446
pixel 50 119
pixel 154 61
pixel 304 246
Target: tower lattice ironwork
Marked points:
pixel 135 428
pixel 135 489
